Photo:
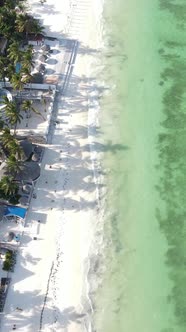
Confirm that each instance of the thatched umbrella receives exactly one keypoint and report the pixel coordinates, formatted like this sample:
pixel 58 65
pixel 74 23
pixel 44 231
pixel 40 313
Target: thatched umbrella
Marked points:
pixel 27 148
pixel 41 68
pixel 29 171
pixel 37 78
pixel 38 149
pixel 42 57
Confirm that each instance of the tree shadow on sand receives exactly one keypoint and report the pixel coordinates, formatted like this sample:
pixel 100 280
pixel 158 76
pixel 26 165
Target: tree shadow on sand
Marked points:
pixel 44 9
pixel 63 319
pixel 107 147
pixel 24 315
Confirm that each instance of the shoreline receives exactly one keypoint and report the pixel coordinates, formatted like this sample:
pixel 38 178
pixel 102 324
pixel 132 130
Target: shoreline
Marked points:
pixel 137 249
pixel 49 276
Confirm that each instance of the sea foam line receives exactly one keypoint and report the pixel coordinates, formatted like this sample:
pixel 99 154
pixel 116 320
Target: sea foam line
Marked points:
pixel 95 156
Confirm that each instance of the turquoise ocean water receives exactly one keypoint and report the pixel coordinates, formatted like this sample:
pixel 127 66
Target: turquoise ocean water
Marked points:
pixel 143 125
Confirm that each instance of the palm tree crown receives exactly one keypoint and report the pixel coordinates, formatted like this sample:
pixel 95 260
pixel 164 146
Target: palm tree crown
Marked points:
pixel 27 24
pixel 14 148
pixel 12 112
pixel 8 186
pixel 12 165
pixel 5 137
pixel 16 81
pixel 14 53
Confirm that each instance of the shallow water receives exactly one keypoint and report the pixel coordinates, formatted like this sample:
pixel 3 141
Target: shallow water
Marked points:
pixel 142 124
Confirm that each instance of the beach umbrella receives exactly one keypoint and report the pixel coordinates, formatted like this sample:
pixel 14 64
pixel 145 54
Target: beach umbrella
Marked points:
pixel 45 48
pixel 26 147
pixel 42 57
pixel 37 78
pixel 41 68
pixel 37 149
pixel 29 171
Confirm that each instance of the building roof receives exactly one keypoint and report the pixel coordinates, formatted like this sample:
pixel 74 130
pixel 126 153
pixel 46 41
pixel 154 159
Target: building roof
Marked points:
pixel 38 37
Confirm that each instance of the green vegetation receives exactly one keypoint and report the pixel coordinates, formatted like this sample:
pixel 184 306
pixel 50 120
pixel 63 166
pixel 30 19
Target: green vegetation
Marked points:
pixel 15 26
pixel 13 113
pixel 8 261
pixel 11 147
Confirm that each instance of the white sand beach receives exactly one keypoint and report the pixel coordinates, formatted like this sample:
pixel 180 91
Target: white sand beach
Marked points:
pixel 49 282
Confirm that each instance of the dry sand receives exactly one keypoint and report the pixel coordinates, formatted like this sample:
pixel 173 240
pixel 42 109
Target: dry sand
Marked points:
pixel 49 282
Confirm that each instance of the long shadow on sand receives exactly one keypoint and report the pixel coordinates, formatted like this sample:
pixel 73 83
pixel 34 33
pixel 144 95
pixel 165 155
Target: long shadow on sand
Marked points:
pixel 20 317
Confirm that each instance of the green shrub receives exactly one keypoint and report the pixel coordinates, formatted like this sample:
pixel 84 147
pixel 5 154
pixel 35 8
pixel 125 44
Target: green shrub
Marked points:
pixel 7 265
pixel 8 260
pixel 8 255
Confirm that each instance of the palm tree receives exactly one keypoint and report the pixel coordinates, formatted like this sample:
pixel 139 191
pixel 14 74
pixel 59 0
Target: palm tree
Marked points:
pixel 3 68
pixel 10 4
pixel 14 46
pixel 27 107
pixel 29 52
pixel 27 24
pixel 6 137
pixel 26 75
pixel 12 113
pixel 37 28
pixel 16 81
pixel 20 7
pixel 30 49
pixel 15 57
pixel 8 103
pixel 7 21
pixel 21 22
pixel 8 186
pixel 14 118
pixel 11 144
pixel 2 124
pixel 10 71
pixel 27 62
pixel 14 53
pixel 15 149
pixel 12 165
